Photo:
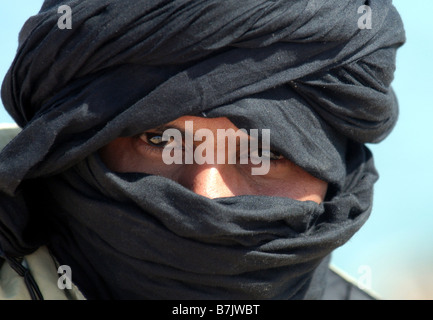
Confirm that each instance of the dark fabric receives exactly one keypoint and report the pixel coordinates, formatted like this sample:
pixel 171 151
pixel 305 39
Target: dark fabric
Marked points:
pixel 184 246
pixel 302 69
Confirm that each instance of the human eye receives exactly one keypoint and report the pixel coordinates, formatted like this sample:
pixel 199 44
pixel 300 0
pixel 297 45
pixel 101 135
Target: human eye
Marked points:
pixel 154 139
pixel 266 153
pixel 272 155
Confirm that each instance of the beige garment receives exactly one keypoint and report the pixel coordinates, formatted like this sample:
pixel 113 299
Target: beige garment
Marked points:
pixel 7 132
pixel 41 264
pixel 43 268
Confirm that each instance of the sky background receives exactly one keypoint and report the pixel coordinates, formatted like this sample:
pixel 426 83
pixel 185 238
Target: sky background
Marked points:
pixel 393 253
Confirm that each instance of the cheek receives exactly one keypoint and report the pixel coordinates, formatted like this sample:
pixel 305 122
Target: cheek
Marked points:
pixel 291 181
pixel 285 179
pixel 302 190
pixel 113 154
pixel 129 155
pixel 121 155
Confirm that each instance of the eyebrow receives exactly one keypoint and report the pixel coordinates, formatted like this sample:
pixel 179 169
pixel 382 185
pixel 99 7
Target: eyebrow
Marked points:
pixel 163 127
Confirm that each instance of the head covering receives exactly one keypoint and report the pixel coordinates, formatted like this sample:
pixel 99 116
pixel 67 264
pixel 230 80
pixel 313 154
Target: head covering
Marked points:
pixel 303 69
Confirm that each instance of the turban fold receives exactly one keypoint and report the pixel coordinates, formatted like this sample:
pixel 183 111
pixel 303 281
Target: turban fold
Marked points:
pixel 303 69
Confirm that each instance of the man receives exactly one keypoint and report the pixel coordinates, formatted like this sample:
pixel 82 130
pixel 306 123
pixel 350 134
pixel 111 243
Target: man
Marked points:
pixel 125 182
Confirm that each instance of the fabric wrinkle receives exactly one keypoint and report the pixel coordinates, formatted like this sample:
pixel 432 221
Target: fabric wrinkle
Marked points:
pixel 302 69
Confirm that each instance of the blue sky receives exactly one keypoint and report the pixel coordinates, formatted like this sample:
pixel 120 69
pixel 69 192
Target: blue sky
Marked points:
pixel 396 244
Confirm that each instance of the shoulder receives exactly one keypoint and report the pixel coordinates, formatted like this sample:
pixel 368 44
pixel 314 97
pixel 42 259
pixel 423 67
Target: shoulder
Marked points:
pixel 43 268
pixel 340 286
pixel 41 264
pixel 7 132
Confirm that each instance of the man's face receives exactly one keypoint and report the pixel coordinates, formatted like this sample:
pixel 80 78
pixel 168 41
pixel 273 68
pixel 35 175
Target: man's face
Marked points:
pixel 148 152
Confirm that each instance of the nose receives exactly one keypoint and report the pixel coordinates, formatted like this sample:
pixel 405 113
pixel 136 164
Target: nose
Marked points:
pixel 213 181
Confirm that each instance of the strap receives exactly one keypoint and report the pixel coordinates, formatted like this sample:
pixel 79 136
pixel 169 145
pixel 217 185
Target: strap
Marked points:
pixel 32 286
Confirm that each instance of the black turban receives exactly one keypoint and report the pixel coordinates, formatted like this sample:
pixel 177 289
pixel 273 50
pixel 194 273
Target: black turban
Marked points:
pixel 304 69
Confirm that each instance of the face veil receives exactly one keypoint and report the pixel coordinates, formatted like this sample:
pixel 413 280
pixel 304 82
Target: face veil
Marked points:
pixel 322 88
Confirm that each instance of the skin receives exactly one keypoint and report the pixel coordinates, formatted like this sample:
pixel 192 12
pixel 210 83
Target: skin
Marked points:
pixel 141 154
